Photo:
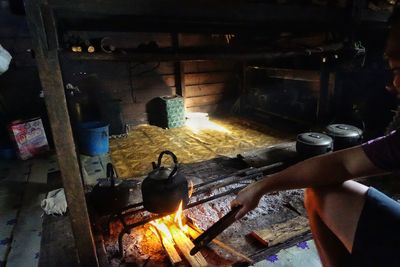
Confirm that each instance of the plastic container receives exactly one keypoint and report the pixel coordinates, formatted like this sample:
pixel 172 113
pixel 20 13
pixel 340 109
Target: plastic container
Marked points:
pixel 7 152
pixel 93 138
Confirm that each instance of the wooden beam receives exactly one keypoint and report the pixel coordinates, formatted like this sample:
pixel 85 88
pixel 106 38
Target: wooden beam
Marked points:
pixel 53 88
pixel 179 68
pixel 185 245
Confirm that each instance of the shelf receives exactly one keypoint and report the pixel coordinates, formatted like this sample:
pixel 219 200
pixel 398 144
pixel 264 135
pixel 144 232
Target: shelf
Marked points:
pixel 196 55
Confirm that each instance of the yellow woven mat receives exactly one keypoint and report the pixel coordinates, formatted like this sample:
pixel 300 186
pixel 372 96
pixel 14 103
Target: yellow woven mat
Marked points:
pixel 132 155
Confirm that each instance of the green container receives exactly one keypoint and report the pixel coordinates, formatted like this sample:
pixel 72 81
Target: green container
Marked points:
pixel 166 111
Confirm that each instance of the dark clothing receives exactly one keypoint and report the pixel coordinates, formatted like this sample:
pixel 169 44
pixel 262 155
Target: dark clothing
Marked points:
pixel 384 151
pixel 377 238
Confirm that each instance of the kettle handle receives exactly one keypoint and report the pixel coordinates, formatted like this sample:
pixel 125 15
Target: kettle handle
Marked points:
pixel 111 174
pixel 174 158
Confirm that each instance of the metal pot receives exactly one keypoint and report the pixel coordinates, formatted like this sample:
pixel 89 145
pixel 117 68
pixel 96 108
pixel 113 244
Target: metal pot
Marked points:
pixel 164 188
pixel 344 135
pixel 313 144
pixel 111 194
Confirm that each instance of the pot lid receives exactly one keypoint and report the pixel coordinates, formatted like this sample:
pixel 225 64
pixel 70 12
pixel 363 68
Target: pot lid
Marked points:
pixel 343 130
pixel 161 173
pixel 316 139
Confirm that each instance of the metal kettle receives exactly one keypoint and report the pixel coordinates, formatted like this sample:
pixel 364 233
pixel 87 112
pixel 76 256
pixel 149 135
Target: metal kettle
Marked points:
pixel 164 187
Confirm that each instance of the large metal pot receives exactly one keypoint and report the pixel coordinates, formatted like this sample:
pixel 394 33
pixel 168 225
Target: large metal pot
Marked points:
pixel 344 135
pixel 164 188
pixel 312 144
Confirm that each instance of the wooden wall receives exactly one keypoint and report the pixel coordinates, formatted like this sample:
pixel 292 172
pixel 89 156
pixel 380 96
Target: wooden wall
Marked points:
pixel 210 86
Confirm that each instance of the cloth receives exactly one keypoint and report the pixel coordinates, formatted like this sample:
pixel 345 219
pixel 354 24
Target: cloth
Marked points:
pixel 55 203
pixel 377 238
pixel 5 59
pixel 384 152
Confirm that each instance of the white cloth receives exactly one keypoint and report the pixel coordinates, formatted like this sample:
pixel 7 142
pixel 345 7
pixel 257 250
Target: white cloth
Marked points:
pixel 5 59
pixel 55 203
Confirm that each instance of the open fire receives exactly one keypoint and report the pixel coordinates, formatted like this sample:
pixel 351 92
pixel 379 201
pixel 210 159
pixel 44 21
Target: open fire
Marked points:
pixel 138 237
pixel 175 235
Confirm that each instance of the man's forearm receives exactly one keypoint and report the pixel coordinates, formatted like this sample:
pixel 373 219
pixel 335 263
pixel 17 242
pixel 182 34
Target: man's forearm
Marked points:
pixel 324 170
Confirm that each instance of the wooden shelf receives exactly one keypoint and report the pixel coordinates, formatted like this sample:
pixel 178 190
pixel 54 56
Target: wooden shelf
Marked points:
pixel 196 55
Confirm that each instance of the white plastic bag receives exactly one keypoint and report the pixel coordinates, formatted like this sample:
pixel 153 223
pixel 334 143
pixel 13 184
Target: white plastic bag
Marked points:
pixel 5 59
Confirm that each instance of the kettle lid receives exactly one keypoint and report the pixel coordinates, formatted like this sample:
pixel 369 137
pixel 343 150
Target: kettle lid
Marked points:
pixel 314 138
pixel 343 130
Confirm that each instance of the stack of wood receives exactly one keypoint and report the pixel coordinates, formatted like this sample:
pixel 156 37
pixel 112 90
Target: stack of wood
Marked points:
pixel 177 242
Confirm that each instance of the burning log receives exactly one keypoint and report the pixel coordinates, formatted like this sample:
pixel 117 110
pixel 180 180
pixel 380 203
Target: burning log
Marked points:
pixel 195 231
pixel 185 245
pixel 168 243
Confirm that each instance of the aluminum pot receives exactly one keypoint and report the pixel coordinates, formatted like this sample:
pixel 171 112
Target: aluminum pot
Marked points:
pixel 312 144
pixel 344 135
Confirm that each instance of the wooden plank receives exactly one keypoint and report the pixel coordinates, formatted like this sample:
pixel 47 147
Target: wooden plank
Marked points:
pixel 194 232
pixel 291 74
pixel 25 247
pixel 39 171
pixel 146 81
pixel 14 175
pixel 210 109
pixel 281 232
pixel 185 245
pixel 205 89
pixel 203 100
pixel 168 244
pixel 58 246
pixel 208 77
pixel 208 66
pixel 53 87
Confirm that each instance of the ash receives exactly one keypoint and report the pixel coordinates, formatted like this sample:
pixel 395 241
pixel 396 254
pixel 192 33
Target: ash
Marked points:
pixel 271 209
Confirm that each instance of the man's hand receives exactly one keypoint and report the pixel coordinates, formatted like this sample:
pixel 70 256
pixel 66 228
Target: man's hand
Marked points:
pixel 248 198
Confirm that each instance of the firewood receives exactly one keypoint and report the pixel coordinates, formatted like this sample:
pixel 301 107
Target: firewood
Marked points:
pixel 169 247
pixel 194 232
pixel 281 232
pixel 185 245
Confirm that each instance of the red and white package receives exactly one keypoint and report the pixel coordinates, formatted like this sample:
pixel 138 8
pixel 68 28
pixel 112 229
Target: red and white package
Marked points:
pixel 30 137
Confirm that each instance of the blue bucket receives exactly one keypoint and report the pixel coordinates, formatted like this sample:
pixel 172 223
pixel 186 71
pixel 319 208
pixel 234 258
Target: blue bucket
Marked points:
pixel 93 138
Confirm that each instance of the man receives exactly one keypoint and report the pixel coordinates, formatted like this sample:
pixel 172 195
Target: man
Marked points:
pixel 352 225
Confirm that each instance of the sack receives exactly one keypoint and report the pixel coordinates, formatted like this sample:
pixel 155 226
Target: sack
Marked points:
pixel 5 59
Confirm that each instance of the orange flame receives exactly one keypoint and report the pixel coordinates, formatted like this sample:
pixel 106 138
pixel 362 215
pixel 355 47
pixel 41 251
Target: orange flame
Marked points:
pixel 190 188
pixel 163 229
pixel 178 216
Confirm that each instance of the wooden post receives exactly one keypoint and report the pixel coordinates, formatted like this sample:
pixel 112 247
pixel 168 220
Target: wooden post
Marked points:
pixel 178 69
pixel 53 88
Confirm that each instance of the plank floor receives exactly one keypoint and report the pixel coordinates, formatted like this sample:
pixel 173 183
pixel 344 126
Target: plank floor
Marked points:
pixel 23 185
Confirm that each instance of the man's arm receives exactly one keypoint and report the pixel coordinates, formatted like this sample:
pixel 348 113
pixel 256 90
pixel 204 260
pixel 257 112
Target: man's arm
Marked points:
pixel 323 170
